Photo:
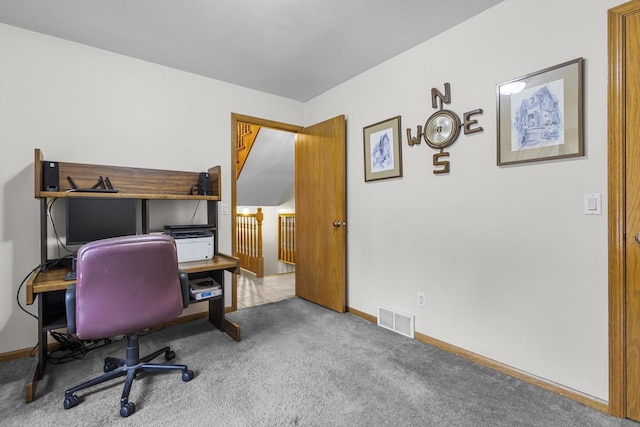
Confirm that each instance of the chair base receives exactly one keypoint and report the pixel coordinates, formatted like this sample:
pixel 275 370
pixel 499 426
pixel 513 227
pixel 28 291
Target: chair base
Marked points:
pixel 129 367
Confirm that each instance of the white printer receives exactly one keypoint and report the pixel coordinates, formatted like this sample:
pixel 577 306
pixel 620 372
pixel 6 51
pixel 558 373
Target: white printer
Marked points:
pixel 194 242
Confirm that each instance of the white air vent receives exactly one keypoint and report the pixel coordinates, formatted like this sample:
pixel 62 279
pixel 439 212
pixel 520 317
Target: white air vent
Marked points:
pixel 396 321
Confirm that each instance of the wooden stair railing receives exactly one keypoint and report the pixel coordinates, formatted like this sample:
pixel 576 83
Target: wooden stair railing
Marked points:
pixel 247 135
pixel 287 238
pixel 249 241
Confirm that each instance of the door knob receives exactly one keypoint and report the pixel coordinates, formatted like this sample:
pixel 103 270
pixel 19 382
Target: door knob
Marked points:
pixel 638 238
pixel 337 224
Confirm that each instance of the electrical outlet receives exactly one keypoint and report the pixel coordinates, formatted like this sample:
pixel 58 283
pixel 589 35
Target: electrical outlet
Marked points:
pixel 421 299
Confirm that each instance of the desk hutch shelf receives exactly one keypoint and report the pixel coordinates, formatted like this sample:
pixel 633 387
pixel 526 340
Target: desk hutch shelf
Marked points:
pixel 135 183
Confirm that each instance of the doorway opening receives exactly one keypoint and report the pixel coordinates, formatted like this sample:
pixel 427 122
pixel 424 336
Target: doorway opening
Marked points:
pixel 321 209
pixel 262 180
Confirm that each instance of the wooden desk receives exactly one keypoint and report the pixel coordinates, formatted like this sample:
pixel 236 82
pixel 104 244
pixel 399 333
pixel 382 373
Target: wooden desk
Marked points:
pixel 50 286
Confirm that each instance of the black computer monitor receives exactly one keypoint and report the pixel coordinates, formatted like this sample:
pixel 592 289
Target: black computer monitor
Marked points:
pixel 94 218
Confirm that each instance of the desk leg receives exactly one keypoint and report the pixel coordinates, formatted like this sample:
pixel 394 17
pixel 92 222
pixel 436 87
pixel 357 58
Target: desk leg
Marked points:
pixel 216 311
pixel 216 316
pixel 36 372
pixel 233 329
pixel 32 383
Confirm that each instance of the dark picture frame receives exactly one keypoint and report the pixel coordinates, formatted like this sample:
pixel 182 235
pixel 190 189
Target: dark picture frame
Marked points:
pixel 382 150
pixel 540 116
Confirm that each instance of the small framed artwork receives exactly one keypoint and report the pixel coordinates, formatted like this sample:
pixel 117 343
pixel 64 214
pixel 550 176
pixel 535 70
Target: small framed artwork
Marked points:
pixel 382 150
pixel 540 115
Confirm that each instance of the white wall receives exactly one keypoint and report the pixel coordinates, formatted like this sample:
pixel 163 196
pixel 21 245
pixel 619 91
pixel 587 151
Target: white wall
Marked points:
pixel 511 267
pixel 80 104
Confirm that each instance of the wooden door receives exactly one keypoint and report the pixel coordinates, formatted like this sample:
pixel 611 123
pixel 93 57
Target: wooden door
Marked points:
pixel 320 181
pixel 624 209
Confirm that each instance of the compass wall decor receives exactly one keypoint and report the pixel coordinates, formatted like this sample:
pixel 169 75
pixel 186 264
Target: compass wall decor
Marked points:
pixel 443 128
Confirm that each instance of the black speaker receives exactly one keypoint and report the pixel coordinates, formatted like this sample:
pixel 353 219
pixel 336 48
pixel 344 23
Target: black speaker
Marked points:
pixel 204 185
pixel 50 176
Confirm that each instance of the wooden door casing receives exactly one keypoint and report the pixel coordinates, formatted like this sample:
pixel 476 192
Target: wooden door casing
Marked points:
pixel 624 210
pixel 236 121
pixel 632 184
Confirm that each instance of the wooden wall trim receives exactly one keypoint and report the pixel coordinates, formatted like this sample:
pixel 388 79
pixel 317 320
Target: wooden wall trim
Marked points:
pixel 25 352
pixel 365 316
pixel 587 400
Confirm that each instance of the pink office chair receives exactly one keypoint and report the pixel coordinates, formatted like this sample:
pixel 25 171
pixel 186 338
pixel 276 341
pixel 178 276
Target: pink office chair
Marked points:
pixel 125 285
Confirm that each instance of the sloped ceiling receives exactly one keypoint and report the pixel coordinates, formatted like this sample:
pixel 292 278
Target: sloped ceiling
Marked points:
pixel 268 173
pixel 290 48
pixel 297 49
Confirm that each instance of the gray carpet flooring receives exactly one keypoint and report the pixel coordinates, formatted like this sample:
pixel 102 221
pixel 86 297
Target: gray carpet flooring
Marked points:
pixel 297 364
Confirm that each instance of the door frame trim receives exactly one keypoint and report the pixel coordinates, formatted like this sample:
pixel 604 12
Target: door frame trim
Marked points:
pixel 235 119
pixel 616 209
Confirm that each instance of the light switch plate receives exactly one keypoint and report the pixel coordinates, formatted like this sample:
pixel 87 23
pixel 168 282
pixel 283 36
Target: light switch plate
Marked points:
pixel 593 204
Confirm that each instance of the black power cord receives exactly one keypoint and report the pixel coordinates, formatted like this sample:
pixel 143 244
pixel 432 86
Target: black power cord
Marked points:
pixel 194 212
pixel 70 348
pixel 49 264
pixel 18 293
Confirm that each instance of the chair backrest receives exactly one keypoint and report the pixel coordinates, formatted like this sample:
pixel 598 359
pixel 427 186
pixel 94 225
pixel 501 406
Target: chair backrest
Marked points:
pixel 126 284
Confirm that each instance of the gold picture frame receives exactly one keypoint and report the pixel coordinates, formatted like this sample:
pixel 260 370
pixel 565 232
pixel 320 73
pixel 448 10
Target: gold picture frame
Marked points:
pixel 540 115
pixel 382 150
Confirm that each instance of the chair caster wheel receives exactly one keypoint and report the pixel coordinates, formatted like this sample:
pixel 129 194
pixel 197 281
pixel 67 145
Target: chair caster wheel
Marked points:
pixel 108 367
pixel 127 409
pixel 70 402
pixel 187 375
pixel 169 355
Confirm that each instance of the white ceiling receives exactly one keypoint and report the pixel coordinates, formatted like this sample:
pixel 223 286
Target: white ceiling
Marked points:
pixel 297 49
